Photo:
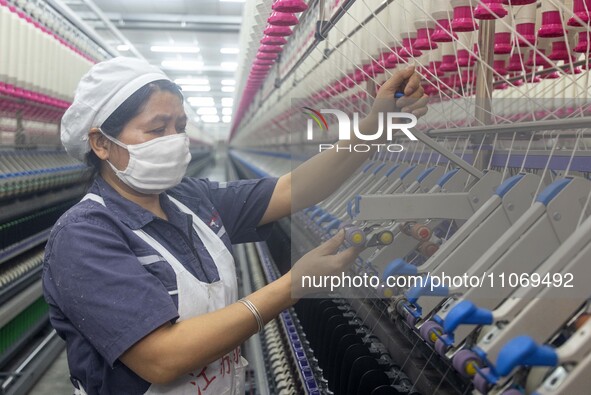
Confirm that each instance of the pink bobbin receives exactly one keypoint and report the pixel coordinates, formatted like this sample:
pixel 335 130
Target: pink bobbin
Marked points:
pixel 367 67
pixel 499 65
pixel 551 25
pixel 377 67
pixel 277 31
pixel 270 40
pixel 266 55
pixel 518 82
pixel 559 51
pixel 490 9
pixel 465 58
pixel 292 6
pixel 282 19
pixel 463 20
pixel 263 62
pixel 502 86
pixel 349 81
pixel 423 40
pixel 270 48
pixel 518 2
pixel 408 49
pixel 517 64
pixel 360 76
pixel 503 43
pixel 443 32
pixel 536 59
pixel 468 75
pixel 430 90
pixel 448 63
pixel 261 68
pixel 582 10
pixel 584 43
pixel 435 69
pixel 527 34
pixel 393 58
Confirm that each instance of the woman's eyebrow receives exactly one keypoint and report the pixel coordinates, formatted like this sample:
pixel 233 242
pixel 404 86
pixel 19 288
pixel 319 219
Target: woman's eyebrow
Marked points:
pixel 159 118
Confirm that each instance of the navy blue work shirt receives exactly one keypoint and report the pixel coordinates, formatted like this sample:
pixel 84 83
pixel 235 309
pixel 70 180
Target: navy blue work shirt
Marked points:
pixel 107 289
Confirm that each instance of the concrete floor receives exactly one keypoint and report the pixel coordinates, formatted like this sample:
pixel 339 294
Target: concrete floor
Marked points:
pixel 56 380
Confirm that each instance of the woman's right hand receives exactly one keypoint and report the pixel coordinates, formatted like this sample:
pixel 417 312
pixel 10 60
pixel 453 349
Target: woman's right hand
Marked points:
pixel 322 261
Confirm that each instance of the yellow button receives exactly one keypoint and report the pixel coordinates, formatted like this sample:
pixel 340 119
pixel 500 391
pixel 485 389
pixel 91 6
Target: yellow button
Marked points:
pixel 434 335
pixel 386 238
pixel 357 238
pixel 470 368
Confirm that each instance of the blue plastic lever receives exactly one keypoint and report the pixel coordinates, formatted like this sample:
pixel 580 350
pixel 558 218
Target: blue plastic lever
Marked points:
pixel 350 209
pixel 399 267
pixel 356 204
pixel 466 312
pixel 334 224
pixel 367 167
pixel 398 94
pixel 323 218
pixel 425 289
pixel 523 351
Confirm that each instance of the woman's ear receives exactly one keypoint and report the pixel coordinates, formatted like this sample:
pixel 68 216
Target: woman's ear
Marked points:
pixel 99 143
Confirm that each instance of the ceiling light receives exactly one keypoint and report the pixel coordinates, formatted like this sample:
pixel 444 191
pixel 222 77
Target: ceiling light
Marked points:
pixel 201 101
pixel 202 104
pixel 227 111
pixel 195 99
pixel 210 118
pixel 197 118
pixel 228 89
pixel 229 65
pixel 173 49
pixel 207 111
pixel 226 118
pixel 181 65
pixel 227 102
pixel 232 51
pixel 191 81
pixel 123 48
pixel 228 82
pixel 195 88
pixel 232 1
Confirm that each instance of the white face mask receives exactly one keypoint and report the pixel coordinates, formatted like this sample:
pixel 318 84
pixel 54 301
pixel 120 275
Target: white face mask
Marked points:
pixel 156 165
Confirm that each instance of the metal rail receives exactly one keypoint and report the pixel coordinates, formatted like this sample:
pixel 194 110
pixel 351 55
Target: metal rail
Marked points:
pixel 68 14
pixel 524 127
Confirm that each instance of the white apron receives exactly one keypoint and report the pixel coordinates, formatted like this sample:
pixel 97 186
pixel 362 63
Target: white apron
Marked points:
pixel 226 375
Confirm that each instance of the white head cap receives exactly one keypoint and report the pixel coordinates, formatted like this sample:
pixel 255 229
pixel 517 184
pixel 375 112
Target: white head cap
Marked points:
pixel 99 93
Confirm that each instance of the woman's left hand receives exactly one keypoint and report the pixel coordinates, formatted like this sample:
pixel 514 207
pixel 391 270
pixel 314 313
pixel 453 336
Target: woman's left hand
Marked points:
pixel 407 81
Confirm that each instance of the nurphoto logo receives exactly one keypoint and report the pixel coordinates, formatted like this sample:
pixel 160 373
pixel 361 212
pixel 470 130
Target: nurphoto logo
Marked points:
pixel 391 119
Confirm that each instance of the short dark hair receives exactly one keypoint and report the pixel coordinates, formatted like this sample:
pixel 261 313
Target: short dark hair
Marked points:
pixel 128 110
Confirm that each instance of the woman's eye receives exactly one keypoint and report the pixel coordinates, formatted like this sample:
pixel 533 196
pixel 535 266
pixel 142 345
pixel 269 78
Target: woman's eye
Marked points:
pixel 157 131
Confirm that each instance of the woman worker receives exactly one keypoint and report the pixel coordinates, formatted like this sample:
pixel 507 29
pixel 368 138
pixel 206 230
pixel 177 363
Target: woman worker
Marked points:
pixel 139 275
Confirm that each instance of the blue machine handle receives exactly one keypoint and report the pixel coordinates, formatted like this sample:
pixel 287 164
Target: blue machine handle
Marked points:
pixel 332 225
pixel 398 95
pixel 523 351
pixel 399 267
pixel 413 294
pixel 466 312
